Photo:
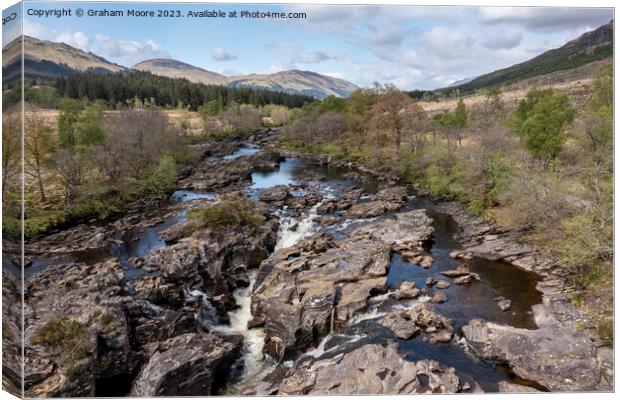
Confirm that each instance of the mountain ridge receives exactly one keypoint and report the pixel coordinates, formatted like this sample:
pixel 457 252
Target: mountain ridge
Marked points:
pixel 589 47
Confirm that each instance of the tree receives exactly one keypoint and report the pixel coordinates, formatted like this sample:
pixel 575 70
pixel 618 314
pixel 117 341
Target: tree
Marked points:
pixel 540 119
pixel 67 123
pixel 39 144
pixel 391 113
pixel 71 167
pixel 11 148
pixel 89 126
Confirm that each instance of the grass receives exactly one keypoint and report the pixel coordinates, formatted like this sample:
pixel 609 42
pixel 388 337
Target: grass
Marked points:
pixel 229 212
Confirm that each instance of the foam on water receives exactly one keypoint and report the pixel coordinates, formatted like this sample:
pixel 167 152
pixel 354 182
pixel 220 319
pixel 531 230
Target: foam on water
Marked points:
pixel 293 229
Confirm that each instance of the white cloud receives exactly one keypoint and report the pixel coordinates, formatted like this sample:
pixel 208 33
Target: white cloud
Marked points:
pixel 127 52
pixel 220 54
pixel 123 52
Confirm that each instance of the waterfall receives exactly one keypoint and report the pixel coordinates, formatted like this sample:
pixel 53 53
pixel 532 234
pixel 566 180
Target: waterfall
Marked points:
pixel 293 229
pixel 207 315
pixel 253 339
pixel 331 322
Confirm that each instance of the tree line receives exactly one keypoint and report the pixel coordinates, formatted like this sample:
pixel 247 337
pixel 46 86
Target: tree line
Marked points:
pixel 166 92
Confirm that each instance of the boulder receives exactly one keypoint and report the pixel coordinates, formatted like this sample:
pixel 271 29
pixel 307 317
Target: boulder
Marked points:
pixel 295 292
pixel 187 365
pixel 557 358
pixel 368 370
pixel 407 291
pixel 441 284
pixel 439 297
pixel 84 304
pixel 276 195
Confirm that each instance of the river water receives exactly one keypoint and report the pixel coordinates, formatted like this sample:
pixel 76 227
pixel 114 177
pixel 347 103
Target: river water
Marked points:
pixel 465 302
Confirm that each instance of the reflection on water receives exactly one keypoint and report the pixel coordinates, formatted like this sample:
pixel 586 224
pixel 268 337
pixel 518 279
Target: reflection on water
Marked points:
pixel 296 171
pixel 245 150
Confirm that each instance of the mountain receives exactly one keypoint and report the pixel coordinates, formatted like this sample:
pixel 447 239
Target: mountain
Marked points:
pixel 460 82
pixel 177 69
pixel 296 81
pixel 591 46
pixel 47 60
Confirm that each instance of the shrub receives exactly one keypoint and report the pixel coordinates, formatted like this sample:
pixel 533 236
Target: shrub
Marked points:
pixel 228 212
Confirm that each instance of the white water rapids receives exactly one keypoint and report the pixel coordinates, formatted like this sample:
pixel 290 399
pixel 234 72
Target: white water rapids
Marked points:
pixel 254 364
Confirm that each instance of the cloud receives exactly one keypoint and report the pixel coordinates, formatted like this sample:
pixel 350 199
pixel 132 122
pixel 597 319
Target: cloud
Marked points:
pixel 297 55
pixel 123 52
pixel 127 52
pixel 503 40
pixel 545 18
pixel 75 39
pixel 220 54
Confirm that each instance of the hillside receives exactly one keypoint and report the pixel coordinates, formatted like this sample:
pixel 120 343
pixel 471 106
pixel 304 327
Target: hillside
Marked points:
pixel 591 46
pixel 177 69
pixel 47 60
pixel 293 81
pixel 296 81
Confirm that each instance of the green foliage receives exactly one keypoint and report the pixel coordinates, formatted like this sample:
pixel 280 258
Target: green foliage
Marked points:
pixel 89 126
pixel 455 119
pixel 162 180
pixel 210 109
pixel 603 88
pixel 67 121
pixel 140 87
pixel 66 338
pixel 539 121
pixel 332 103
pixel 229 212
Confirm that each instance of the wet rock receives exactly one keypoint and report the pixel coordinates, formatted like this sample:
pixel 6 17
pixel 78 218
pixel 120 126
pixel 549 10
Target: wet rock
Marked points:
pixel 215 261
pixel 219 176
pixel 328 206
pixel 187 365
pixel 503 303
pixel 393 194
pixel 430 281
pixel 406 229
pixel 275 195
pixel 329 220
pixel 556 358
pixel 407 291
pixel 435 326
pixel 366 210
pixel 295 292
pixel 370 369
pixel 467 279
pixel 441 284
pixel 461 255
pixel 400 324
pixel 425 261
pixel 439 297
pixel 460 271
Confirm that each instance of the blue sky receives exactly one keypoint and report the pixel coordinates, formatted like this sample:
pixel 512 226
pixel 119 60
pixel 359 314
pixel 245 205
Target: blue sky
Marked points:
pixel 409 46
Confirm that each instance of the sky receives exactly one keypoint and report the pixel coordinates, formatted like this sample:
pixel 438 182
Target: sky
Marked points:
pixel 412 47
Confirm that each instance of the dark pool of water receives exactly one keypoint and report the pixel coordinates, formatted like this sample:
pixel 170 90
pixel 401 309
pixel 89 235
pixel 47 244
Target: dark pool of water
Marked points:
pixel 478 299
pixel 296 171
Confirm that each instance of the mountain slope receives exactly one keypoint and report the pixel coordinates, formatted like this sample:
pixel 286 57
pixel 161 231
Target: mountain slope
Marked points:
pixel 47 60
pixel 177 69
pixel 589 47
pixel 296 81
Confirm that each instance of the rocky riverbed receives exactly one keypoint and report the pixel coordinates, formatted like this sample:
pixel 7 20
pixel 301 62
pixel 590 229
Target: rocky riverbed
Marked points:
pixel 345 282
